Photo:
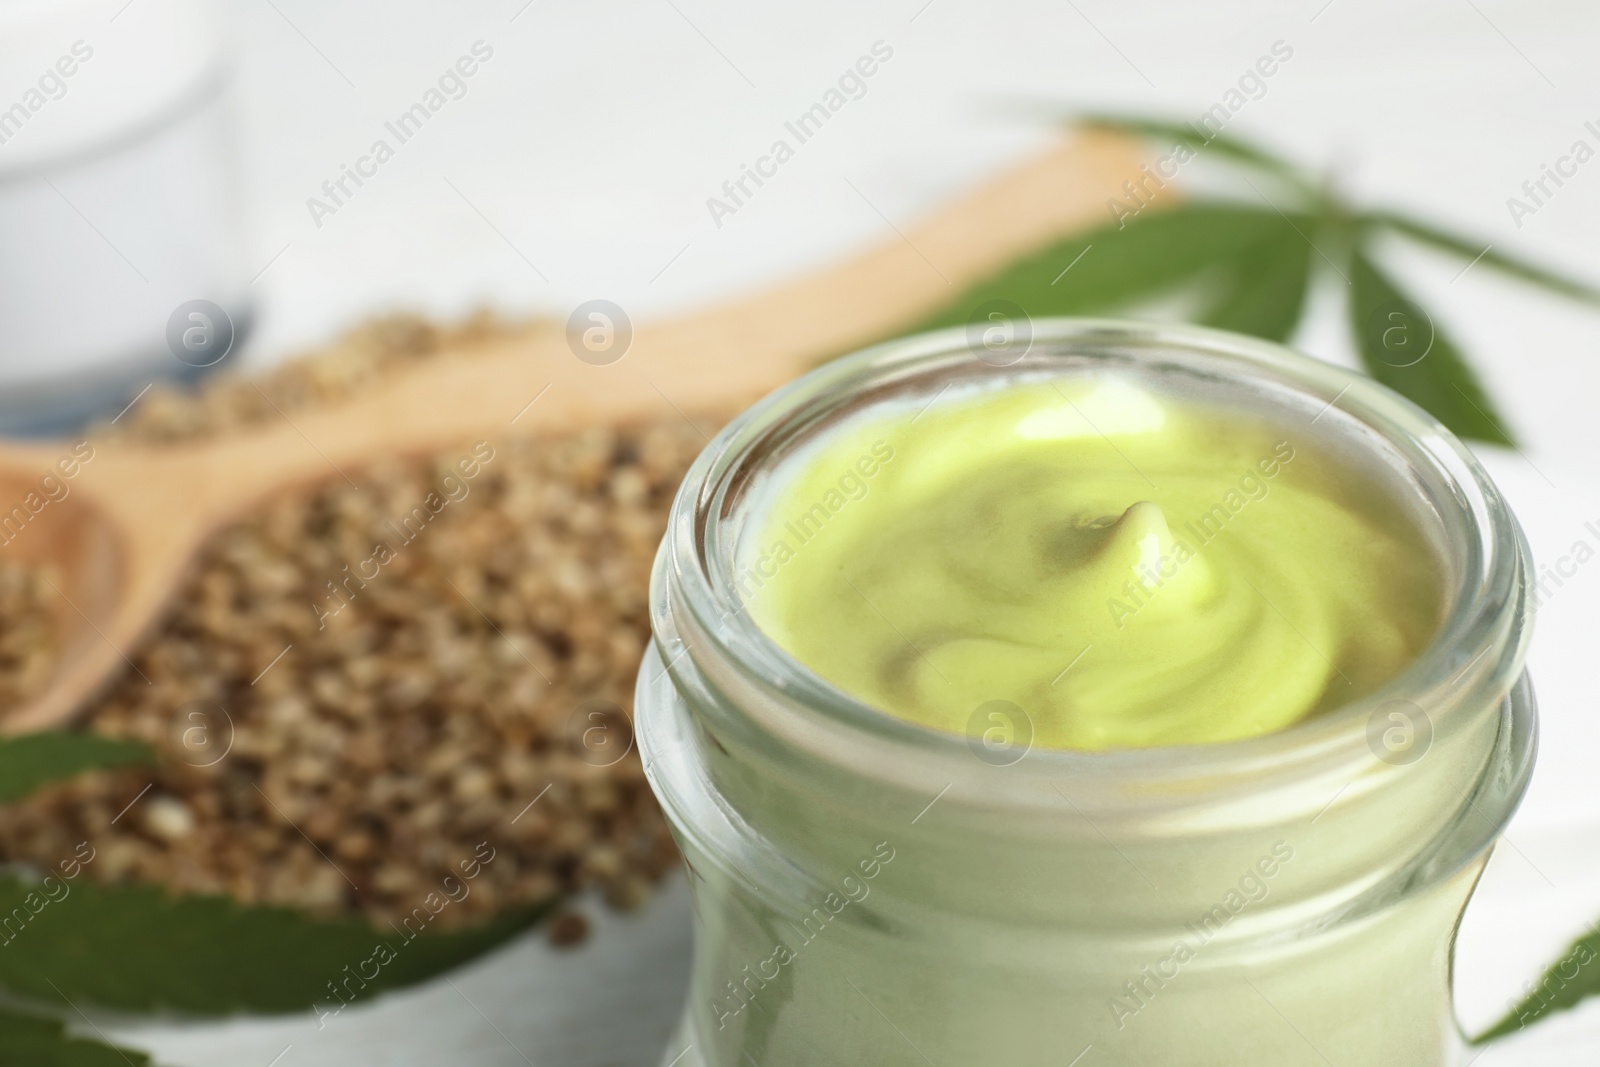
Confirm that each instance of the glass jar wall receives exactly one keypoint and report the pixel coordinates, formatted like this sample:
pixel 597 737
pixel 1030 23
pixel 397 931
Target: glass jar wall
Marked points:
pixel 872 891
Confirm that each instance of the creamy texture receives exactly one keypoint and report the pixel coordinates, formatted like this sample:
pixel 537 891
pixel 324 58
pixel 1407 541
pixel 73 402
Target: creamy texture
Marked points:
pixel 1127 568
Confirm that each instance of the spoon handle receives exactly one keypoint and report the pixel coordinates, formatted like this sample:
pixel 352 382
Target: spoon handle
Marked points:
pixel 706 360
pixel 149 507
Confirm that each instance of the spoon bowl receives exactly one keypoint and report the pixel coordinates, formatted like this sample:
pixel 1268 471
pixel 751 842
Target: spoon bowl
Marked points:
pixel 81 553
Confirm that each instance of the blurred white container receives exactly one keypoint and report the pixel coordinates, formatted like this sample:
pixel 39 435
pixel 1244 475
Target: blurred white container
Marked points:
pixel 117 201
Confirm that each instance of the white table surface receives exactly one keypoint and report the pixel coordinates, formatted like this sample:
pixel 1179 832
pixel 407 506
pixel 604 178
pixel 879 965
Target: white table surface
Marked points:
pixel 584 152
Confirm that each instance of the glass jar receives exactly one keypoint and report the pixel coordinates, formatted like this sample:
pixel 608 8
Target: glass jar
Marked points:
pixel 871 891
pixel 119 205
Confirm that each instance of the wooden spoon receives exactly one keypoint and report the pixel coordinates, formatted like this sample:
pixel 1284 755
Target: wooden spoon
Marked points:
pixel 135 514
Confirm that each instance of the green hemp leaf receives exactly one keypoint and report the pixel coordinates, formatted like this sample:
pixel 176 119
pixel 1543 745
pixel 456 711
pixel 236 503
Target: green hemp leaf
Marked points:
pixel 41 1042
pixel 138 948
pixel 1569 981
pixel 33 760
pixel 1248 266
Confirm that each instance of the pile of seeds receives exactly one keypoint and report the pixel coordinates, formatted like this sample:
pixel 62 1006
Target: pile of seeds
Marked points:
pixel 361 684
pixel 339 371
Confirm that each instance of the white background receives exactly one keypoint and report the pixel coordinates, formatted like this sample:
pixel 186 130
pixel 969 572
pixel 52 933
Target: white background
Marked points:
pixel 585 151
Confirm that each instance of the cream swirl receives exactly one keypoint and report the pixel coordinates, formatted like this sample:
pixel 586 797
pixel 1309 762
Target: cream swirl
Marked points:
pixel 1130 569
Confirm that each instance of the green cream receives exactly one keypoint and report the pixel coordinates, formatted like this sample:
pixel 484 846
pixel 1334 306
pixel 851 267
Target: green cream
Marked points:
pixel 1129 568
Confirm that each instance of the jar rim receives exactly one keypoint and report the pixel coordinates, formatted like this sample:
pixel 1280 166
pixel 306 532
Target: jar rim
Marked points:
pixel 1476 652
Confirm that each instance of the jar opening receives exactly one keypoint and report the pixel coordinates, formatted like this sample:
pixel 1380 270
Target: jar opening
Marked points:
pixel 1476 651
